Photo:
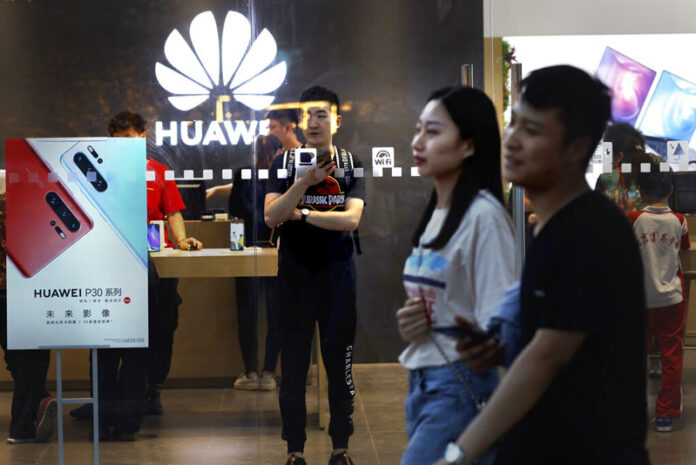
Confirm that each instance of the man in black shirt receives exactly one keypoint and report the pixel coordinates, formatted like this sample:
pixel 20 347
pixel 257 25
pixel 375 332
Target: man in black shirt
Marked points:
pixel 316 274
pixel 576 393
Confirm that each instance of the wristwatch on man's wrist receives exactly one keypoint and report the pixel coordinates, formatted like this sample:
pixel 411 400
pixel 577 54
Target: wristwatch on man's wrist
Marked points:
pixel 455 455
pixel 305 214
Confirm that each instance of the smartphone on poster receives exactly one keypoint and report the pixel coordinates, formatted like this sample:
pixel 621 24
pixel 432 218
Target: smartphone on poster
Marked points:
pixel 43 218
pixel 107 179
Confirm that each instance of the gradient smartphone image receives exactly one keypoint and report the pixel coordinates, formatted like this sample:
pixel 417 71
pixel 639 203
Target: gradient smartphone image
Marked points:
pixel 153 237
pixel 112 176
pixel 43 218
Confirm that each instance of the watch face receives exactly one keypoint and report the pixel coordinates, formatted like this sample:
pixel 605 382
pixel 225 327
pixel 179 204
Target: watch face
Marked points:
pixel 453 453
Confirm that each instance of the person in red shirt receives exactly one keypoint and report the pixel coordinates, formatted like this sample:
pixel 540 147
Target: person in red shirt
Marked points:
pixel 163 200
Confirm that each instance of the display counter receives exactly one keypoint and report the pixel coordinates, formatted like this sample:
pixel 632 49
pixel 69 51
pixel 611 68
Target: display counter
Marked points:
pixel 216 263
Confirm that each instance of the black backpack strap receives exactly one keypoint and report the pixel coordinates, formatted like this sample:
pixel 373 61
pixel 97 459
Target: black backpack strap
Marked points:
pixel 289 164
pixel 346 159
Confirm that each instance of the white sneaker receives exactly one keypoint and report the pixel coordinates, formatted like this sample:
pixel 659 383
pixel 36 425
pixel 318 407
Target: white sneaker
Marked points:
pixel 267 382
pixel 247 382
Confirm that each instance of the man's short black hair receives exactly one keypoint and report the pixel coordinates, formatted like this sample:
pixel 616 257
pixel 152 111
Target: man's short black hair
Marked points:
pixel 321 94
pixel 583 102
pixel 284 116
pixel 657 184
pixel 126 120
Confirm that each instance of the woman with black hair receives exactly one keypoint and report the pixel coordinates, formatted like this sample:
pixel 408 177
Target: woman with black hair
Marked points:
pixel 462 262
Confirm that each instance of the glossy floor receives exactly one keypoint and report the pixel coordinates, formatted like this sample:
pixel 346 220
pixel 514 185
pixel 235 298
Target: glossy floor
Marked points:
pixel 228 427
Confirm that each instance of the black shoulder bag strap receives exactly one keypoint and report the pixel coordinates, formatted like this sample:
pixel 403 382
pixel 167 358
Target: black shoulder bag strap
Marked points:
pixel 347 166
pixel 289 165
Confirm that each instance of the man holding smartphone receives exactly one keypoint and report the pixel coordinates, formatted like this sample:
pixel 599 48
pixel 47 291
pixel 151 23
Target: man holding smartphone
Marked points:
pixel 317 212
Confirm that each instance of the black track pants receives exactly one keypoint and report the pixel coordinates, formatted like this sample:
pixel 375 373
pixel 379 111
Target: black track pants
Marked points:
pixel 326 297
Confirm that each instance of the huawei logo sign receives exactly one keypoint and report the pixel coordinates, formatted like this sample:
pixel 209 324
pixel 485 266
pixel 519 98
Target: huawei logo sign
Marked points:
pixel 212 66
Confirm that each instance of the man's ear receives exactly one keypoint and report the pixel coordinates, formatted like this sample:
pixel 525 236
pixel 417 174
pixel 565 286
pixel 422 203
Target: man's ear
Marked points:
pixel 143 134
pixel 339 120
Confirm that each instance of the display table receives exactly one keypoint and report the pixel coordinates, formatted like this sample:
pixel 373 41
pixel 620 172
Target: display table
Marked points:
pixel 216 263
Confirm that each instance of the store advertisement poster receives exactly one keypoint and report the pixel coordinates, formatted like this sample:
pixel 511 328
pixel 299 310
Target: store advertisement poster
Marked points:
pixel 76 243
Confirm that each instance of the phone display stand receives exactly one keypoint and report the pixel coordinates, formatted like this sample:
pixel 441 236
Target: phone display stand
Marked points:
pixel 94 400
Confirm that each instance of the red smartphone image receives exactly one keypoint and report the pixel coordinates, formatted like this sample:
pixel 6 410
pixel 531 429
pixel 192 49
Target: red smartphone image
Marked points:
pixel 43 218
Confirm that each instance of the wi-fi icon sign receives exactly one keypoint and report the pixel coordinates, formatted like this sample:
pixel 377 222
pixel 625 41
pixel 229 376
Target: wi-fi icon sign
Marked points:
pixel 383 157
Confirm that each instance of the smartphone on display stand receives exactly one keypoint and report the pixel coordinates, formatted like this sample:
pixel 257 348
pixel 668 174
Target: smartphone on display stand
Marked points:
pixel 237 235
pixel 105 177
pixel 153 237
pixel 43 218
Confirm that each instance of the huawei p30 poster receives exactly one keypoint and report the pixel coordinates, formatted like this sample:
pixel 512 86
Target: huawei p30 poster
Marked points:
pixel 76 243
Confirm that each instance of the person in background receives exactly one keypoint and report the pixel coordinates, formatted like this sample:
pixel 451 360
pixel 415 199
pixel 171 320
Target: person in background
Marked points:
pixel 122 382
pixel 33 412
pixel 462 262
pixel 661 234
pixel 163 200
pixel 576 394
pixel 281 124
pixel 616 185
pixel 246 202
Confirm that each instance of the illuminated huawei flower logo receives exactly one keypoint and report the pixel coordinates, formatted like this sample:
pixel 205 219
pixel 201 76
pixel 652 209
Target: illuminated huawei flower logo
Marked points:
pixel 231 64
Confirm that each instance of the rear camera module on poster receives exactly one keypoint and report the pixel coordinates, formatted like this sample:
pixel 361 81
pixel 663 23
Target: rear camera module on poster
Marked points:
pixel 63 212
pixel 93 176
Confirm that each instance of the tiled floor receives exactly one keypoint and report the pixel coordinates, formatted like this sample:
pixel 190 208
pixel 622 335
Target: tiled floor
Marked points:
pixel 228 427
pixel 224 426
